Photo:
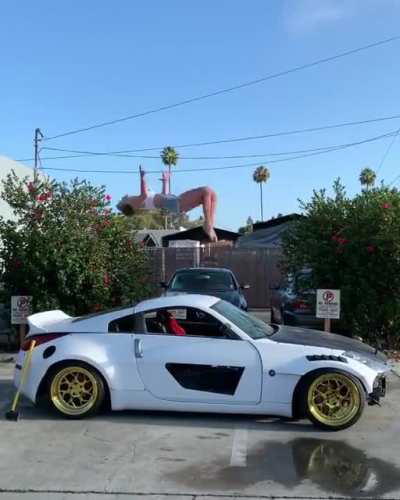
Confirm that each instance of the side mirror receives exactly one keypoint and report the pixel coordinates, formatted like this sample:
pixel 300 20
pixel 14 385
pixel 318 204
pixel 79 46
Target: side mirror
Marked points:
pixel 245 287
pixel 163 284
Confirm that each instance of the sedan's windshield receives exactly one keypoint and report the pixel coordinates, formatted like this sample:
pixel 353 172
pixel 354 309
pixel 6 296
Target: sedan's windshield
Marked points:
pixel 201 281
pixel 253 327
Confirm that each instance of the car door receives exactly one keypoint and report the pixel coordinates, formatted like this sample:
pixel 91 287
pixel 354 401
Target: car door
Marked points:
pixel 196 368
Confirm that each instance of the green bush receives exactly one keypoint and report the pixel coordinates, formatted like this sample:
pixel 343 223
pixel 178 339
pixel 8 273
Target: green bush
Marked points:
pixel 353 244
pixel 67 249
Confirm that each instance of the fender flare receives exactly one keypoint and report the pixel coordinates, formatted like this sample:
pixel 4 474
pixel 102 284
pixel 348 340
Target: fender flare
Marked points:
pixel 42 385
pixel 296 410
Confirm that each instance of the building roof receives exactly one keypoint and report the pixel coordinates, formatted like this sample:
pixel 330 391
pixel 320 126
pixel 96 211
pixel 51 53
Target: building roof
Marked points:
pixel 152 237
pixel 267 234
pixel 198 234
pixel 276 221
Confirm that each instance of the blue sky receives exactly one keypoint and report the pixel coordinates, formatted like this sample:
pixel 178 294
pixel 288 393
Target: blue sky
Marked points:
pixel 67 65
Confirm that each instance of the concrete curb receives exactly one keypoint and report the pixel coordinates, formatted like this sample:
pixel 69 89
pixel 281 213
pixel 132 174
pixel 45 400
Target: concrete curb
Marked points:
pixel 8 357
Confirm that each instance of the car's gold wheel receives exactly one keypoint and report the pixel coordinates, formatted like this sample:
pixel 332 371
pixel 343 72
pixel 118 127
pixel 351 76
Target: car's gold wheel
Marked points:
pixel 76 391
pixel 334 400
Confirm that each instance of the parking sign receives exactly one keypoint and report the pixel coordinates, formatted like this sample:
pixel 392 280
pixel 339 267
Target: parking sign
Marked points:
pixel 21 308
pixel 328 304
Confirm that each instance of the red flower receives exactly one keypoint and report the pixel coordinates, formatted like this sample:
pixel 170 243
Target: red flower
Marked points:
pixel 43 197
pixel 106 280
pixel 107 197
pixel 31 187
pixel 386 205
pixel 371 248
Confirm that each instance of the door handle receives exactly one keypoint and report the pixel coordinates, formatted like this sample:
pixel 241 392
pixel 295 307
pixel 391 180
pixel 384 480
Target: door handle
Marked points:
pixel 138 348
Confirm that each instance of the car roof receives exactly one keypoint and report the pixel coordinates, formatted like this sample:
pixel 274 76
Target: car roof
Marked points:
pixel 57 321
pixel 184 300
pixel 202 269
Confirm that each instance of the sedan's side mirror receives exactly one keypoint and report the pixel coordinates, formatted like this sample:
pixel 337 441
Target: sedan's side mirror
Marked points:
pixel 245 287
pixel 163 284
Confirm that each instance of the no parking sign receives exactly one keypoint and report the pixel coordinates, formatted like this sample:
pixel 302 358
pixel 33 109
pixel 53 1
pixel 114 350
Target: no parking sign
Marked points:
pixel 21 308
pixel 328 304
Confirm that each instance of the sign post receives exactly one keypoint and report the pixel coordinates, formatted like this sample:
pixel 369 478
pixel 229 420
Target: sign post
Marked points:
pixel 328 306
pixel 21 308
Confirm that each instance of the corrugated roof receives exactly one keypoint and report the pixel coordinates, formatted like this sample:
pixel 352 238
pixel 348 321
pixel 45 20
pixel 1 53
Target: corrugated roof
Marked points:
pixel 155 234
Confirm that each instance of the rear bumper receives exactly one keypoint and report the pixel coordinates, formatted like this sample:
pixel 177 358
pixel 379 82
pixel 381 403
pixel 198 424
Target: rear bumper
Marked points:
pixel 30 385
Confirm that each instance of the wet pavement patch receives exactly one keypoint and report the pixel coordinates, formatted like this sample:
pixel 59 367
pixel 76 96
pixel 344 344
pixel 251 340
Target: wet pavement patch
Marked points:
pixel 333 466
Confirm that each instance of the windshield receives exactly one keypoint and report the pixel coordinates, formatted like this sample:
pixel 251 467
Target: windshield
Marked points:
pixel 201 281
pixel 253 327
pixel 304 281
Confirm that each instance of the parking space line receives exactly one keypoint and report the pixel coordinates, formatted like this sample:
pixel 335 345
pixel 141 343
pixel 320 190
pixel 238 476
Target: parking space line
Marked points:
pixel 239 448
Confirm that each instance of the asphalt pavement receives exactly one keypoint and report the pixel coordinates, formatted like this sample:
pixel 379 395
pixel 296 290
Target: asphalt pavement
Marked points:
pixel 162 455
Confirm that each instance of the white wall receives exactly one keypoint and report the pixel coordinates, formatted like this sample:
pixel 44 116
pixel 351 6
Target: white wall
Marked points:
pixel 6 165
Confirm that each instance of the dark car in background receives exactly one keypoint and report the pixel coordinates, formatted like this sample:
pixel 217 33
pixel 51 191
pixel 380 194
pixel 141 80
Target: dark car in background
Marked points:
pixel 218 282
pixel 294 302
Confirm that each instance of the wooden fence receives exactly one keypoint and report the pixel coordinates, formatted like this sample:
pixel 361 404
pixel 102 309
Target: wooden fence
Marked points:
pixel 259 268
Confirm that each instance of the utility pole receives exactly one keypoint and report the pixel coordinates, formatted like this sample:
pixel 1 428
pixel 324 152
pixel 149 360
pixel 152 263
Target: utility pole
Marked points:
pixel 38 138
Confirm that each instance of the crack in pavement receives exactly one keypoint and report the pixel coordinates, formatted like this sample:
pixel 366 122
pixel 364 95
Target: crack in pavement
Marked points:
pixel 193 496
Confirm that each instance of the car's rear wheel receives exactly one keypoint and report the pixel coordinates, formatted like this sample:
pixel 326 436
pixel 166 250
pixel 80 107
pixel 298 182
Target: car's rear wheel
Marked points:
pixel 333 400
pixel 76 390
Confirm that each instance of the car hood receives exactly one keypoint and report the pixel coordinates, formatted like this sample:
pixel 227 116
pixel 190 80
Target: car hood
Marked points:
pixel 316 338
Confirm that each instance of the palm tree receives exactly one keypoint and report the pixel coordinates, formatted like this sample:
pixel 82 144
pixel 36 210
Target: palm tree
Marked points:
pixel 261 175
pixel 367 177
pixel 169 156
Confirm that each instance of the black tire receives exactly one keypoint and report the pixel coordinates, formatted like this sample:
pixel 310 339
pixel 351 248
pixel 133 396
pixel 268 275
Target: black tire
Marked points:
pixel 351 394
pixel 75 390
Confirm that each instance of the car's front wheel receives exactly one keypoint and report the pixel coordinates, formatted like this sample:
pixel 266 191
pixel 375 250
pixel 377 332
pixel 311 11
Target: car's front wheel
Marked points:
pixel 75 390
pixel 332 399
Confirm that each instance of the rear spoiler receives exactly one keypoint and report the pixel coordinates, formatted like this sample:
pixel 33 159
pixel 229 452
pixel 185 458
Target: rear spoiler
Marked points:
pixel 47 322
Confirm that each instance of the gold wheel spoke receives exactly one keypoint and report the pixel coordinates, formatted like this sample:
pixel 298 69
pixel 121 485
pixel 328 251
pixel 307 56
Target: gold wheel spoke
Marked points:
pixel 74 390
pixel 333 399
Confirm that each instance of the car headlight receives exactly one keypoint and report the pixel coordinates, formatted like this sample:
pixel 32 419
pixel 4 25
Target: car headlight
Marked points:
pixel 356 356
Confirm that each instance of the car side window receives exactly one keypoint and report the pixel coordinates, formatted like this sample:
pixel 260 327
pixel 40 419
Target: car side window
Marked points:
pixel 184 321
pixel 122 325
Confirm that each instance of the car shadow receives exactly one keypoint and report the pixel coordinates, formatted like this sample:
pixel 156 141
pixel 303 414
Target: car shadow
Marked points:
pixel 28 411
pixel 220 421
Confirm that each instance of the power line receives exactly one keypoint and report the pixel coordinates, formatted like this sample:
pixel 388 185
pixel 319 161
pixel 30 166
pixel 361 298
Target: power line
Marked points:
pixel 208 169
pixel 394 180
pixel 236 139
pixel 227 90
pixel 388 150
pixel 85 154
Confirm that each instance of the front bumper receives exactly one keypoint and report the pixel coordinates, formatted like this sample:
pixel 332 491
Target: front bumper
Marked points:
pixel 379 390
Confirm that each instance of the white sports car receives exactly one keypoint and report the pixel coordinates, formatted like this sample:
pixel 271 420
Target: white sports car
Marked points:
pixel 220 360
